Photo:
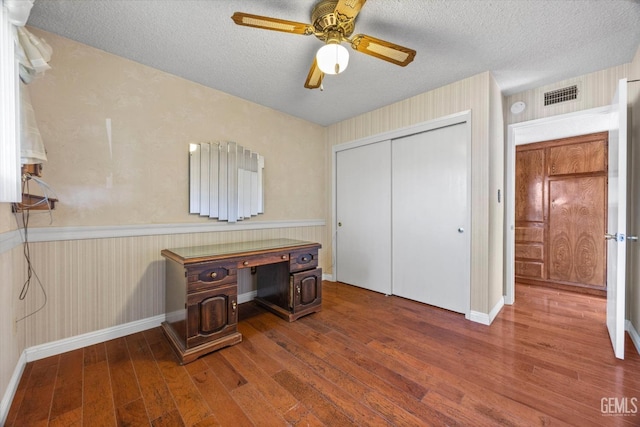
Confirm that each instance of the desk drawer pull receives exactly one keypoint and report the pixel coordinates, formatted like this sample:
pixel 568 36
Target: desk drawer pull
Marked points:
pixel 284 257
pixel 212 274
pixel 245 263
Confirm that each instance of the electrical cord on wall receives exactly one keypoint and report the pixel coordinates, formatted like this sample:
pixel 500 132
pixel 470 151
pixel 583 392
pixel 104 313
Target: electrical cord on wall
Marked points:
pixel 23 213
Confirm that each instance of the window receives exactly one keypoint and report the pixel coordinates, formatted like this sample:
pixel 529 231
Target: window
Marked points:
pixel 9 124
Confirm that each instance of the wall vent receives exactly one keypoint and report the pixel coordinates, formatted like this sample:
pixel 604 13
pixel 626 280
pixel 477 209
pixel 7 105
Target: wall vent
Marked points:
pixel 557 96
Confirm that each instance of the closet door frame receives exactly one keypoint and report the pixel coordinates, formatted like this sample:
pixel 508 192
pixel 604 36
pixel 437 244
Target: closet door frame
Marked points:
pixel 463 117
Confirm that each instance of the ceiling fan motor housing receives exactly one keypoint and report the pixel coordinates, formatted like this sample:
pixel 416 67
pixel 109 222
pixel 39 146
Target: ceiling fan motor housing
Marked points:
pixel 325 20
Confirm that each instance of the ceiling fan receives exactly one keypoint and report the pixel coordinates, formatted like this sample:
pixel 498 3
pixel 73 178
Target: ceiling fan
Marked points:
pixel 333 22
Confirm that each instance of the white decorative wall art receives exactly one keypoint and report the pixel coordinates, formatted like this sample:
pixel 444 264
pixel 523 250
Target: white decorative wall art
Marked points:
pixel 225 181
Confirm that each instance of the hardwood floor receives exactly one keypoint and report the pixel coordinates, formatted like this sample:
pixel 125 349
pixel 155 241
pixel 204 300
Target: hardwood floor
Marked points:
pixel 365 359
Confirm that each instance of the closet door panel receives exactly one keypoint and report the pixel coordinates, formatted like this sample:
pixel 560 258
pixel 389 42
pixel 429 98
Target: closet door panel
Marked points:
pixel 431 217
pixel 363 214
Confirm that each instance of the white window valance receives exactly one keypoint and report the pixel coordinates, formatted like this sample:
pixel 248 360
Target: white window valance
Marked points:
pixel 32 52
pixel 33 55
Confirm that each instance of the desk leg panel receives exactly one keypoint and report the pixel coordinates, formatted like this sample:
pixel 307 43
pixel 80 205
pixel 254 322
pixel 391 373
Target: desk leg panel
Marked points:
pixel 189 355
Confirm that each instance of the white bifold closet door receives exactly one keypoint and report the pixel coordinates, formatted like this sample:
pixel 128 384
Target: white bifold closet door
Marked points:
pixel 431 217
pixel 363 215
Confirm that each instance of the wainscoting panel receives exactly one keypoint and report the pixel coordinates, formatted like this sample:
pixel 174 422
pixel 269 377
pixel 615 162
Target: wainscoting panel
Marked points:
pixel 93 284
pixel 12 333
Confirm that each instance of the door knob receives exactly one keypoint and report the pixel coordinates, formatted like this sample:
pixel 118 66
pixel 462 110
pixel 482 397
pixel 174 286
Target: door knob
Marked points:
pixel 460 230
pixel 632 238
pixel 618 237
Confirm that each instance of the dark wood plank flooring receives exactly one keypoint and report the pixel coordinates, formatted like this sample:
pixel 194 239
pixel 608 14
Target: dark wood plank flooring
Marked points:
pixel 365 359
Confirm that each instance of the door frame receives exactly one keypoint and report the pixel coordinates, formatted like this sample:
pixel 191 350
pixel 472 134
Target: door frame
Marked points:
pixel 463 117
pixel 555 127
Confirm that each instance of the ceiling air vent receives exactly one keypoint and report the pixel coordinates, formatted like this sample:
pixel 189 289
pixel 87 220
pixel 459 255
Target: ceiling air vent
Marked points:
pixel 568 93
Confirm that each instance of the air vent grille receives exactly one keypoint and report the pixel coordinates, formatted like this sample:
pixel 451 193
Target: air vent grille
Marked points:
pixel 561 95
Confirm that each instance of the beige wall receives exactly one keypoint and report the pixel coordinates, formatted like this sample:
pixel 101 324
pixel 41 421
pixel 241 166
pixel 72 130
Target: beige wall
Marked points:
pixel 7 222
pixel 154 116
pixel 595 90
pixel 472 94
pixel 497 183
pixel 93 284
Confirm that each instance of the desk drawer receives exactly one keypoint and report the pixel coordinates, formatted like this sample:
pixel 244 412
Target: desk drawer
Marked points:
pixel 210 275
pixel 303 260
pixel 254 261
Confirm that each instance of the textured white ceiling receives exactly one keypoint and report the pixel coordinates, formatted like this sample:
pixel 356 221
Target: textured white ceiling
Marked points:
pixel 524 43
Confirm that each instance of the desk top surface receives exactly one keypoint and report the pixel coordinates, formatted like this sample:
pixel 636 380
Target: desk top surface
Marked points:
pixel 222 250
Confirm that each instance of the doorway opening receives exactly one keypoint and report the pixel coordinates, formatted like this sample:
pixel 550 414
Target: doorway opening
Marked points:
pixel 613 119
pixel 561 213
pixel 564 126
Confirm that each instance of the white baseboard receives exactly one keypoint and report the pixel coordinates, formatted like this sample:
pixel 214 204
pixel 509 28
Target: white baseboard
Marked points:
pixel 484 318
pixel 247 296
pixel 328 277
pixel 633 333
pixel 12 387
pixel 68 344
pixel 62 346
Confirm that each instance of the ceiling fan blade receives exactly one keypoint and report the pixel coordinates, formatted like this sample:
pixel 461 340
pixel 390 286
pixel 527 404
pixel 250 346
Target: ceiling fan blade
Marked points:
pixel 381 49
pixel 274 24
pixel 314 79
pixel 347 10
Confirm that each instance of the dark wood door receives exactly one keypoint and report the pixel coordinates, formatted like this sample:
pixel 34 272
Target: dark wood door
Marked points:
pixel 307 289
pixel 561 209
pixel 577 225
pixel 211 314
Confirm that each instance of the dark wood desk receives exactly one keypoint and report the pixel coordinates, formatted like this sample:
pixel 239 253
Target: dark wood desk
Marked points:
pixel 201 302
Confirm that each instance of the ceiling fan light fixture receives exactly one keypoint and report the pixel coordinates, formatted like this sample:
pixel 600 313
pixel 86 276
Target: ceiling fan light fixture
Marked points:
pixel 332 58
